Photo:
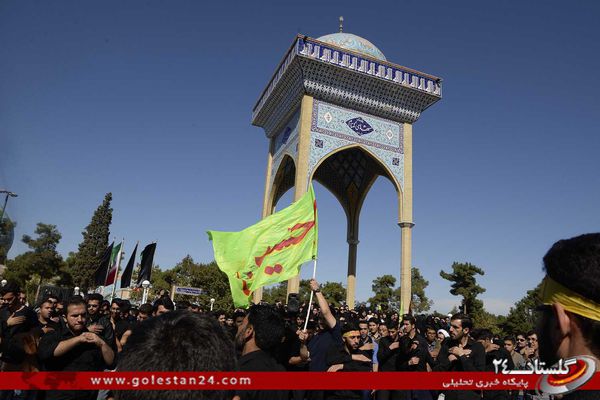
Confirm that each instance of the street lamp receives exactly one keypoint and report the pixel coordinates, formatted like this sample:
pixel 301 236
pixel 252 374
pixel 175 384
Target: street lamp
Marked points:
pixel 76 290
pixel 4 282
pixel 212 303
pixel 8 194
pixel 145 285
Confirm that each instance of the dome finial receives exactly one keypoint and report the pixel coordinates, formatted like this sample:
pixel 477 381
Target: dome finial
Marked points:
pixel 341 24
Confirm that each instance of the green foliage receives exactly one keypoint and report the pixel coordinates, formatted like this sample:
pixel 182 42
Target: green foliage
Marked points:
pixel 304 294
pixel 207 277
pixel 95 241
pixel 41 263
pixel 334 292
pixel 383 290
pixel 484 319
pixel 464 284
pixel 276 292
pixel 420 302
pixel 521 317
pixel 7 229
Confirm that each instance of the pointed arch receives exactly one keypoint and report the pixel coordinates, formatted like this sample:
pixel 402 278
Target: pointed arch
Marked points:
pixel 349 172
pixel 284 180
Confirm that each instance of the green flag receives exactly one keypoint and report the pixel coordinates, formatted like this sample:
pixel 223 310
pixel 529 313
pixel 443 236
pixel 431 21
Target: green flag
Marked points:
pixel 270 251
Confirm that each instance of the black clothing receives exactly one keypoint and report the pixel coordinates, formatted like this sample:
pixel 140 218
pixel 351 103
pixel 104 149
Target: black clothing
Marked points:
pixel 107 333
pixel 82 357
pixel 320 343
pixel 339 355
pixel 121 326
pixel 292 349
pixel 407 352
pixel 258 361
pixel 583 395
pixel 11 349
pixel 473 362
pixel 385 356
pixel 500 354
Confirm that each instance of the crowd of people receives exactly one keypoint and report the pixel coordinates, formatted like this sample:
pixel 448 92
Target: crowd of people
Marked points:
pixel 91 334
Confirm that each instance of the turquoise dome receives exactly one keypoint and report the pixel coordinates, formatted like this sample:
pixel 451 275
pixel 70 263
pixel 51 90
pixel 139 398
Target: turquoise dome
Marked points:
pixel 354 43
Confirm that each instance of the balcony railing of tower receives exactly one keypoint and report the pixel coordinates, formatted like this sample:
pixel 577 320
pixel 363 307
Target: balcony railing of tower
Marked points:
pixel 305 46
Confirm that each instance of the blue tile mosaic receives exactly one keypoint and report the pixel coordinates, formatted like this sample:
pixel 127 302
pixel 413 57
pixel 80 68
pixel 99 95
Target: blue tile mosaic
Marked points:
pixel 329 133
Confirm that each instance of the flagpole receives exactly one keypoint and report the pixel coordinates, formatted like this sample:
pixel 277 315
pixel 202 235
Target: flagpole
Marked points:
pixel 119 256
pixel 311 294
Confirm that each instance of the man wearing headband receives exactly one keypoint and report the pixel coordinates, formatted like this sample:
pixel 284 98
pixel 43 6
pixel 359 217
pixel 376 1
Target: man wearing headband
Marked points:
pixel 570 320
pixel 348 357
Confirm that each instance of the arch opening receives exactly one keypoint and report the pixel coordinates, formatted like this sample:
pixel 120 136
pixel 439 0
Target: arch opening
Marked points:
pixel 284 180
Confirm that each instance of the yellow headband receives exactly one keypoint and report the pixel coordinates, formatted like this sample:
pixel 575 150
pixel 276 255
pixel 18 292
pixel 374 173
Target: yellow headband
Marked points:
pixel 553 292
pixel 351 333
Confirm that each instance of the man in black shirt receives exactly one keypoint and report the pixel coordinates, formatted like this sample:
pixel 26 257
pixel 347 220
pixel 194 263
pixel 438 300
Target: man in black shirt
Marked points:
pixel 413 356
pixel 497 353
pixel 261 332
pixel 461 353
pixel 74 348
pixel 45 315
pixel 16 322
pixel 347 358
pixel 98 323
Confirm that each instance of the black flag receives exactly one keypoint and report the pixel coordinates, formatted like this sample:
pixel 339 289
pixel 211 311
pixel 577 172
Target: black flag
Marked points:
pixel 126 275
pixel 102 269
pixel 146 263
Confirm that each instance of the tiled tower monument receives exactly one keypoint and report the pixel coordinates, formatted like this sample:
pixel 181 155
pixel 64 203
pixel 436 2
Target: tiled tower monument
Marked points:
pixel 338 112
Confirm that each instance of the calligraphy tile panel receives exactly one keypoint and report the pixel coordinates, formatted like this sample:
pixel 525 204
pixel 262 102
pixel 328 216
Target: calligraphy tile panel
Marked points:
pixel 334 127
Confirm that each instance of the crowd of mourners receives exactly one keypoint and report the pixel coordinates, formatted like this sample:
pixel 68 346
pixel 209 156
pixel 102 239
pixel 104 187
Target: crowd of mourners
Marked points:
pixel 92 334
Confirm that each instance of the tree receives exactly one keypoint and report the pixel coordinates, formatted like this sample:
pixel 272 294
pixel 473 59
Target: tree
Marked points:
pixel 521 317
pixel 7 232
pixel 41 263
pixel 483 319
pixel 304 291
pixel 420 302
pixel 465 285
pixel 95 241
pixel 383 290
pixel 334 292
pixel 208 277
pixel 276 292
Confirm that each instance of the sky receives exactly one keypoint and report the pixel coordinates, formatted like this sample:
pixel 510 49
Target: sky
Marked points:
pixel 152 101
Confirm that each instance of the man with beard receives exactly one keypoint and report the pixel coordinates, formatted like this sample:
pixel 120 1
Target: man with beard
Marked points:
pixel 98 323
pixel 328 335
pixel 413 356
pixel 73 348
pixel 569 323
pixel 461 353
pixel 258 336
pixel 348 358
